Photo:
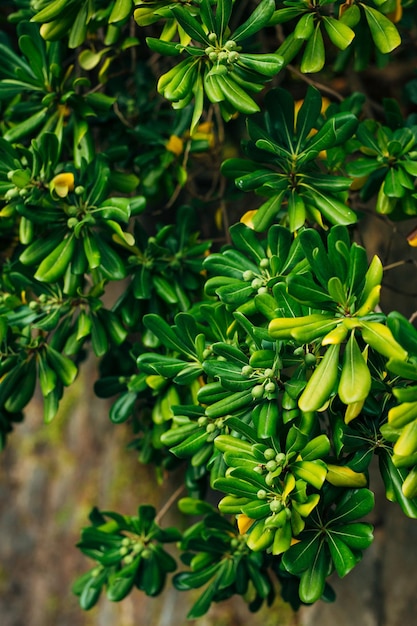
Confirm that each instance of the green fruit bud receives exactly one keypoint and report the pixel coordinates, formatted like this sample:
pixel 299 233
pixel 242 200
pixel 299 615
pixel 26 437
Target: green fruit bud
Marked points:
pixel 270 387
pixel 276 506
pixel 280 458
pixel 269 454
pixel 247 370
pixel 257 283
pixel 230 45
pixel 248 275
pixel 257 392
pixel 310 359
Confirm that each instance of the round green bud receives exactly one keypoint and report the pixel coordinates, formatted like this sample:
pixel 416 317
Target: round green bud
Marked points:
pixel 210 428
pixel 233 56
pixel 202 421
pixel 123 550
pixel 248 275
pixel 209 50
pixel 264 263
pixel 247 370
pixel 270 387
pixel 212 37
pixel 72 222
pixel 261 495
pixel 271 466
pixel 79 190
pixel 262 290
pixel 137 547
pixel 276 506
pixel 280 458
pixel 230 45
pixel 222 57
pixel 269 372
pixel 213 57
pixel 269 454
pixel 257 283
pixel 258 469
pixel 257 392
pixel 310 359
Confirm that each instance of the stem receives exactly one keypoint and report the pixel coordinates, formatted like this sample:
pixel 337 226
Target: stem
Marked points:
pixel 169 503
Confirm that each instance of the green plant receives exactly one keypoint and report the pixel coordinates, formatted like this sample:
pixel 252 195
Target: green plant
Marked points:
pixel 247 346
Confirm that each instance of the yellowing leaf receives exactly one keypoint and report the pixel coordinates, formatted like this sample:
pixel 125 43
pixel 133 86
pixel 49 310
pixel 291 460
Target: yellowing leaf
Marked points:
pixel 244 523
pixel 397 13
pixel 62 184
pixel 175 145
pixel 342 476
pixel 247 218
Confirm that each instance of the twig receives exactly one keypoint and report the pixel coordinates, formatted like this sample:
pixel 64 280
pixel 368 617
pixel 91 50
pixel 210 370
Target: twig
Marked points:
pixel 315 83
pixel 169 503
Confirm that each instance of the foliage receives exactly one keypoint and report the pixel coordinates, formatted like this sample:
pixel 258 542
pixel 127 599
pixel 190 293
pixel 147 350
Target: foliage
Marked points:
pixel 186 152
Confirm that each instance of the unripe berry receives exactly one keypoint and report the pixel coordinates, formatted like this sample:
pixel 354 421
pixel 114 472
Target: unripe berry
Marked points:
pixel 275 506
pixel 247 370
pixel 257 392
pixel 269 454
pixel 248 275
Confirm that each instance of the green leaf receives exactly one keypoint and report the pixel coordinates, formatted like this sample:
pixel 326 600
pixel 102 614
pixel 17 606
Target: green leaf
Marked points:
pixel 343 557
pixel 322 382
pixel 384 33
pixel 314 54
pixel 357 535
pixel 121 10
pixel 299 557
pixel 355 380
pixel 335 211
pixel 122 408
pixel 313 580
pixel 64 368
pixel 380 338
pixel 354 505
pixel 308 114
pixel 339 33
pixel 190 24
pixel 257 20
pixel 265 64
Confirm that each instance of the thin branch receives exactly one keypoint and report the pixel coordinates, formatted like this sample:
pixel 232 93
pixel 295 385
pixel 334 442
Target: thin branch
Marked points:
pixel 315 83
pixel 169 503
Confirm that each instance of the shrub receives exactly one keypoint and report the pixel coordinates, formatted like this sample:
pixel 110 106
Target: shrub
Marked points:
pixel 188 151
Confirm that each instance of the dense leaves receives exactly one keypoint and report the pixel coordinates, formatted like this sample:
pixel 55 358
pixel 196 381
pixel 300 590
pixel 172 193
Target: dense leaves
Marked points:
pixel 241 339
